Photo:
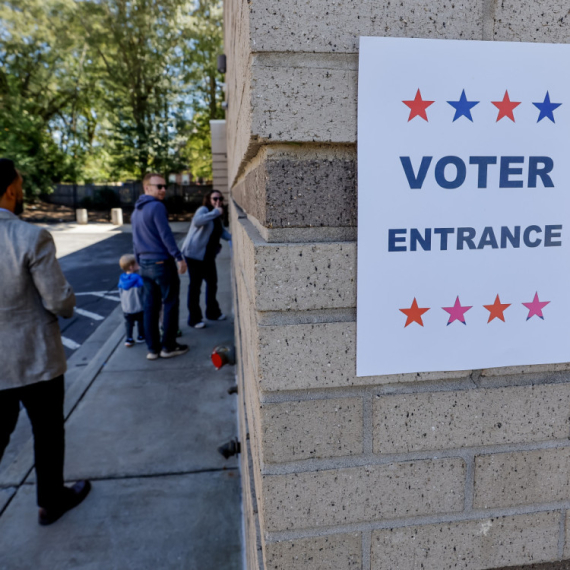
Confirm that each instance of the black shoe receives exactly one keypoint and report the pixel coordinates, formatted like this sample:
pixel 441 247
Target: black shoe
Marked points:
pixel 176 351
pixel 129 342
pixel 72 497
pixel 140 339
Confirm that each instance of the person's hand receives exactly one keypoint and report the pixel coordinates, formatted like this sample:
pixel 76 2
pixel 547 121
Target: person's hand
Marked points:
pixel 220 209
pixel 182 267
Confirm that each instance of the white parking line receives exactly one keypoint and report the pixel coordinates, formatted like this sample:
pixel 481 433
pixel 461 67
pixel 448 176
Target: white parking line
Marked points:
pixel 69 343
pixel 103 294
pixel 108 297
pixel 93 293
pixel 89 314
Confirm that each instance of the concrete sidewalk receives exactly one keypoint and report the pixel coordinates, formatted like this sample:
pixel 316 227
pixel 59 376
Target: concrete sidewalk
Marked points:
pixel 146 434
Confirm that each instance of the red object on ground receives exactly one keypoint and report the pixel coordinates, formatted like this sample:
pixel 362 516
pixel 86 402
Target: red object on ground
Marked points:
pixel 217 360
pixel 222 355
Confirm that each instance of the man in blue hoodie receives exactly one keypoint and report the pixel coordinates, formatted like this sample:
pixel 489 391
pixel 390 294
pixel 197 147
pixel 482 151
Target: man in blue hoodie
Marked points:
pixel 160 261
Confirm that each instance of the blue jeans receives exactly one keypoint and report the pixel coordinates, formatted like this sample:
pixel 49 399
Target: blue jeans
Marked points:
pixel 161 289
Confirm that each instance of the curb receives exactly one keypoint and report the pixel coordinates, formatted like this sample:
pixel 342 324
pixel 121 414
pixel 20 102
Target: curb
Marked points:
pixel 20 468
pixel 80 386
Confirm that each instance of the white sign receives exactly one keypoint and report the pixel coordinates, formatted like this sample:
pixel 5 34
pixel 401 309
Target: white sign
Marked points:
pixel 463 205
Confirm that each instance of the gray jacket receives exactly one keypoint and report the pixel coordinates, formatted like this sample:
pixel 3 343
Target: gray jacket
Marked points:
pixel 201 229
pixel 33 291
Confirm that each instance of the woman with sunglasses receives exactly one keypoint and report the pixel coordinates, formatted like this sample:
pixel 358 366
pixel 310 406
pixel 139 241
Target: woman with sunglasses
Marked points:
pixel 200 248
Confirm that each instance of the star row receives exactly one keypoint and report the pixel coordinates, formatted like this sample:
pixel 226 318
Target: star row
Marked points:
pixel 457 312
pixel 418 107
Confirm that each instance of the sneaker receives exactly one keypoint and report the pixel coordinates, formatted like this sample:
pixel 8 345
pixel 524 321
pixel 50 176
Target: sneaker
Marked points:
pixel 176 351
pixel 140 339
pixel 200 325
pixel 152 356
pixel 129 342
pixel 222 317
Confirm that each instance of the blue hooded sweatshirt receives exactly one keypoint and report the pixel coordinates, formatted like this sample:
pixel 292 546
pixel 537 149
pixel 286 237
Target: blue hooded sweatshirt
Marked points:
pixel 131 293
pixel 152 236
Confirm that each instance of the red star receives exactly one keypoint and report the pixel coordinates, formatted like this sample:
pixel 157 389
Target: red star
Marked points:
pixel 418 107
pixel 506 107
pixel 497 309
pixel 414 314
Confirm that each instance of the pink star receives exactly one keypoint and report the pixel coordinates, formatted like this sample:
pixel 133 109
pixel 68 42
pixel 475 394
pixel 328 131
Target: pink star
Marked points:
pixel 535 308
pixel 457 312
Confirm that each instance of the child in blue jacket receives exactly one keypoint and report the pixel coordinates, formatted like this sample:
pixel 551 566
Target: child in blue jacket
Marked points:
pixel 131 293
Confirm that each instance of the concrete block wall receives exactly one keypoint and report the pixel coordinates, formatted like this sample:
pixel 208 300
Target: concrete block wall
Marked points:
pixel 434 470
pixel 219 156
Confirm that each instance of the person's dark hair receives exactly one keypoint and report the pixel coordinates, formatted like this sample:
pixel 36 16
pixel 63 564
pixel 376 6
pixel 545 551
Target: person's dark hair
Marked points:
pixel 8 174
pixel 207 202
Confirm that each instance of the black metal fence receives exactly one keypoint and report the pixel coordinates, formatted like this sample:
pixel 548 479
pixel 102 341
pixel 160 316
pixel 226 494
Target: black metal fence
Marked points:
pixel 101 196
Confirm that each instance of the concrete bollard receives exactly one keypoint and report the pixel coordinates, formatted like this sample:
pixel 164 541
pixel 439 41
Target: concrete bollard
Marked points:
pixel 117 216
pixel 81 216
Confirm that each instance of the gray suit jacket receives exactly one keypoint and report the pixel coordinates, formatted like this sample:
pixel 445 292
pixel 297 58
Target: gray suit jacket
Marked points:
pixel 33 291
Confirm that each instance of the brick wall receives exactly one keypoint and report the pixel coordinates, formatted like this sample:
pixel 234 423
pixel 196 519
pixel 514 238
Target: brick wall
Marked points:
pixel 434 470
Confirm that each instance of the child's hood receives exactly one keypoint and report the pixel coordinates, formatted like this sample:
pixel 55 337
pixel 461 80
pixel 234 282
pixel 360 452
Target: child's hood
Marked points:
pixel 129 280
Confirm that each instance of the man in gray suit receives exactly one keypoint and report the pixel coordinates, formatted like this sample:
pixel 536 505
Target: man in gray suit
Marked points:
pixel 33 291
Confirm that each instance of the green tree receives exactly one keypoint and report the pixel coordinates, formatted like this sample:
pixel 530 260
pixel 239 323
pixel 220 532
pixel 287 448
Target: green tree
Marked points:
pixel 41 72
pixel 140 46
pixel 93 89
pixel 205 40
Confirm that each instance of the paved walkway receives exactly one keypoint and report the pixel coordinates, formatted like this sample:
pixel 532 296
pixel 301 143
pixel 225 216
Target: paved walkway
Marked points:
pixel 146 434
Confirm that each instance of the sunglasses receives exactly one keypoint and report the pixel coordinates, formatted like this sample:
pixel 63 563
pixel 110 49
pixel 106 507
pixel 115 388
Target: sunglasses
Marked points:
pixel 218 199
pixel 160 186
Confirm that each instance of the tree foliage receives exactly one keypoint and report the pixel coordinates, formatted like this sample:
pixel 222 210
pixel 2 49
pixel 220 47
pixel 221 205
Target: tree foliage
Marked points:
pixel 205 35
pixel 95 90
pixel 39 79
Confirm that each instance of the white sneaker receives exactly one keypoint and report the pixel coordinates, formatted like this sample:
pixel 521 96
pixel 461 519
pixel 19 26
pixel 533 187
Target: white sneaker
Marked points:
pixel 222 317
pixel 152 356
pixel 200 325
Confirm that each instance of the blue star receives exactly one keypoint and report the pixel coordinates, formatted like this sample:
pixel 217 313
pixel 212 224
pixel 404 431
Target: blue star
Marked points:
pixel 546 108
pixel 463 107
